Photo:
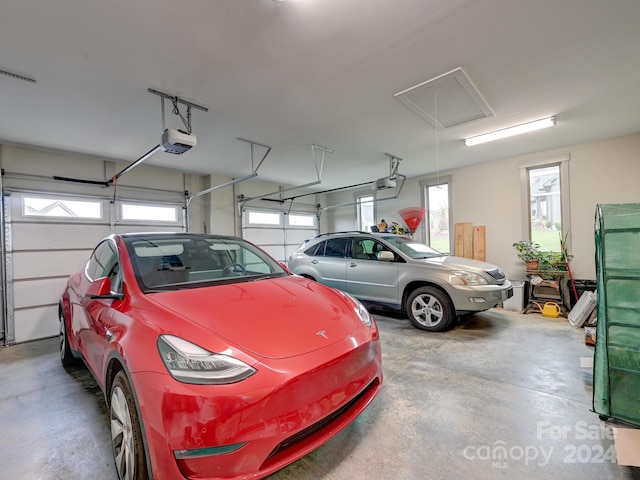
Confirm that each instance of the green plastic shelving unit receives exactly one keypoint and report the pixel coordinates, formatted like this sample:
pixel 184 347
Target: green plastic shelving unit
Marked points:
pixel 616 374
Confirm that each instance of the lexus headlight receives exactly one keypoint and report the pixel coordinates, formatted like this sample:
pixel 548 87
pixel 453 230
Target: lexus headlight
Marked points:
pixel 462 277
pixel 189 363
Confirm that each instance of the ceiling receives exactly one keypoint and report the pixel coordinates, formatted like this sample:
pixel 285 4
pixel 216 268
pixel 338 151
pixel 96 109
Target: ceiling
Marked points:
pixel 324 72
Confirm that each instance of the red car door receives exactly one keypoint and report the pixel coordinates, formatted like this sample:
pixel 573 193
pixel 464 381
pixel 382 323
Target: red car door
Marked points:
pixel 91 316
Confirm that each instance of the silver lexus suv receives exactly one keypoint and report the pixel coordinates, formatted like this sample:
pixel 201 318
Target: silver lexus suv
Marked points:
pixel 433 289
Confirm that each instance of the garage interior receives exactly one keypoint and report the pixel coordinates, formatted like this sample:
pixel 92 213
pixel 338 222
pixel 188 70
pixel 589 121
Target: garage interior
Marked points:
pixel 313 117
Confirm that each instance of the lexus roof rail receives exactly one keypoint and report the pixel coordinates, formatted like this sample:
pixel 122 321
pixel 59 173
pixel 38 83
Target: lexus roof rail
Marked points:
pixel 338 233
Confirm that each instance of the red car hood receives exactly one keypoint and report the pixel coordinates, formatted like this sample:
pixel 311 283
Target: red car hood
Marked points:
pixel 276 318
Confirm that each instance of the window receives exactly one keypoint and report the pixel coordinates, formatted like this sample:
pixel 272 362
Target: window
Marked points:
pixel 316 250
pixel 545 207
pixel 336 247
pixel 263 218
pixel 547 215
pixel 298 220
pixel 366 248
pixel 152 213
pixel 115 275
pixel 193 261
pixel 365 212
pixel 437 214
pixel 103 262
pixel 60 207
pixel 546 211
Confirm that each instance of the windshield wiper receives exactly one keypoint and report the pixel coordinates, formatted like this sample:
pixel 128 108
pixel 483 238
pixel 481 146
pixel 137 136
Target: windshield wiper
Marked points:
pixel 255 278
pixel 166 288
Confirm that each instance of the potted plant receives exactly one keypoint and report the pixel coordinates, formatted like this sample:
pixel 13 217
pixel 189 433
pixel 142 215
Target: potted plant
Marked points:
pixel 553 261
pixel 529 252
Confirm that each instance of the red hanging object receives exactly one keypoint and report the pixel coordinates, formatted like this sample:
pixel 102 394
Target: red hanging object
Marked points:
pixel 412 216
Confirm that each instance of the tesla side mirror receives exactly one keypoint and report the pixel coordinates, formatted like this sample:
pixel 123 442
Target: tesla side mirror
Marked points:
pixel 101 288
pixel 386 256
pixel 284 265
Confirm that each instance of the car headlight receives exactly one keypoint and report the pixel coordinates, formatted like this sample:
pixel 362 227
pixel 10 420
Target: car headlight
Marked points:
pixel 466 278
pixel 189 363
pixel 360 310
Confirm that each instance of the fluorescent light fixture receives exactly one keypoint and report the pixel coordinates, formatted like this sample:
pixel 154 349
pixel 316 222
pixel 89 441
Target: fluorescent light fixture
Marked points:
pixel 511 131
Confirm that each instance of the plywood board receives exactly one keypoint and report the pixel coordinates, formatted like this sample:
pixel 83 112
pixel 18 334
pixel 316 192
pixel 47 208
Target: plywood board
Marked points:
pixel 479 249
pixel 464 240
pixel 468 240
pixel 458 249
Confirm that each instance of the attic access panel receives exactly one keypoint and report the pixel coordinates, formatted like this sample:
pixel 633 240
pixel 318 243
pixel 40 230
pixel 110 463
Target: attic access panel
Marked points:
pixel 447 100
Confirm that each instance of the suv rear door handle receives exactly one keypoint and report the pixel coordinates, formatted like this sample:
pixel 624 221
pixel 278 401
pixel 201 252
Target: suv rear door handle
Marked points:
pixel 352 264
pixel 314 262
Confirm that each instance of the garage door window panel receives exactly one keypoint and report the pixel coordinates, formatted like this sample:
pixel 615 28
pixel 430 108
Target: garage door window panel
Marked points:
pixel 297 220
pixel 131 212
pixel 60 207
pixel 255 217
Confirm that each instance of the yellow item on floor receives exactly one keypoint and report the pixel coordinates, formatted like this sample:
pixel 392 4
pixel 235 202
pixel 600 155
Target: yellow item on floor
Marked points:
pixel 550 309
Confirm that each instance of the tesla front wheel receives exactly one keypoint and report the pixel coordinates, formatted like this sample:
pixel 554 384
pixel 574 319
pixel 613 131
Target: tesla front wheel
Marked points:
pixel 126 435
pixel 430 309
pixel 66 355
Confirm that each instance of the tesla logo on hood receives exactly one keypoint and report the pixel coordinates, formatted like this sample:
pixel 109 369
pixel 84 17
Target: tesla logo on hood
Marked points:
pixel 322 333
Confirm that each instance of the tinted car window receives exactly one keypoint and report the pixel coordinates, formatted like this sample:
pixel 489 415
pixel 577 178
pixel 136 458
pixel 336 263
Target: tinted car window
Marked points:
pixel 317 250
pixel 102 261
pixel 336 247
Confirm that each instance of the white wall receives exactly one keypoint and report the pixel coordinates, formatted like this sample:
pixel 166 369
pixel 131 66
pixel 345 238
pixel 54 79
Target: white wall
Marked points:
pixel 489 194
pixel 214 212
pixel 31 168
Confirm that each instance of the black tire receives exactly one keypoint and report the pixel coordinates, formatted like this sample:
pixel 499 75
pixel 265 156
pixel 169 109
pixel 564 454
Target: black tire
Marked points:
pixel 66 355
pixel 430 309
pixel 126 433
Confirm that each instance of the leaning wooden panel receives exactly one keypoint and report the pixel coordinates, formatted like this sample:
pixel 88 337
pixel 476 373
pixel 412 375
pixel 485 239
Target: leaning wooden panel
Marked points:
pixel 479 247
pixel 464 240
pixel 458 249
pixel 468 240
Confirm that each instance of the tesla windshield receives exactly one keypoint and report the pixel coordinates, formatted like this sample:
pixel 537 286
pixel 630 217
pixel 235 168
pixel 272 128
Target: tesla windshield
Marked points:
pixel 185 262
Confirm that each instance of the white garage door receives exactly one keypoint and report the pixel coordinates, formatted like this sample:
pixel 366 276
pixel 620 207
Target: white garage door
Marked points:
pixel 277 232
pixel 49 236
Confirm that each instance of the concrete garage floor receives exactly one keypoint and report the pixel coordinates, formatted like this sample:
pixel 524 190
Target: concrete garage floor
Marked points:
pixel 501 382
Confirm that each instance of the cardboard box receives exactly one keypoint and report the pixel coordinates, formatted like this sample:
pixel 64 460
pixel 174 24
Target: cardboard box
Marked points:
pixel 627 442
